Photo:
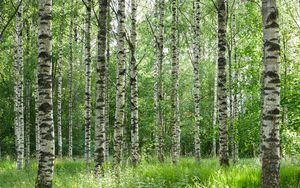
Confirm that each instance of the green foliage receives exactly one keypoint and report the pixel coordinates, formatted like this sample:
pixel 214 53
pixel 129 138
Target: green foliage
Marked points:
pixel 73 174
pixel 248 64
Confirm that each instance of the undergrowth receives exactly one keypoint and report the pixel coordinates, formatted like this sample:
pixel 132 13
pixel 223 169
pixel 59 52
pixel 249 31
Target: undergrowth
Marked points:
pixel 187 173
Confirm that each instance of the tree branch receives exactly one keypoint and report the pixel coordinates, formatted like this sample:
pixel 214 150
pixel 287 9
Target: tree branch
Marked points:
pixel 10 19
pixel 152 30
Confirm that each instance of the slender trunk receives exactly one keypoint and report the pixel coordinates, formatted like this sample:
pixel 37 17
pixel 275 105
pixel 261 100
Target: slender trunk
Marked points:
pixel 100 136
pixel 235 107
pixel 222 95
pixel 27 131
pixel 158 92
pixel 87 145
pixel 271 96
pixel 47 152
pixel 71 84
pixel 120 96
pixel 230 88
pixel 107 81
pixel 16 107
pixel 230 101
pixel 196 64
pixel 37 127
pixel 261 111
pixel 19 89
pixel 134 89
pixel 215 113
pixel 155 86
pixel 16 122
pixel 59 85
pixel 175 85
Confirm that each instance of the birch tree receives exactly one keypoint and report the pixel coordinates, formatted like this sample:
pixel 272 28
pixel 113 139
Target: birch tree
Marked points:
pixel 70 118
pixel 175 85
pixel 100 137
pixel 215 112
pixel 19 109
pixel 134 89
pixel 28 124
pixel 271 95
pixel 222 95
pixel 235 98
pixel 120 95
pixel 108 28
pixel 59 85
pixel 196 59
pixel 87 142
pixel 37 127
pixel 45 112
pixel 158 91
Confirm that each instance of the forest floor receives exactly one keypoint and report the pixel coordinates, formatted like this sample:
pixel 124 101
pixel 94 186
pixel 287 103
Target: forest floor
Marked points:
pixel 73 174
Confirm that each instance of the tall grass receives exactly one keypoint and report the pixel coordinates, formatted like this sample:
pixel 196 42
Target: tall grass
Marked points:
pixel 73 173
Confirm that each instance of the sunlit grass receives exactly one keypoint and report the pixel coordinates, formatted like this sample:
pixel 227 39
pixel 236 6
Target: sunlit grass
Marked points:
pixel 73 174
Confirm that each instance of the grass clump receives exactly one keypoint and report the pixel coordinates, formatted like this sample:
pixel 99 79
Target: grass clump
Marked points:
pixel 187 173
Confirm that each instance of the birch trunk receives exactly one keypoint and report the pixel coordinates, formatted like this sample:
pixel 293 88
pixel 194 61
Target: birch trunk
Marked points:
pixel 235 99
pixel 230 101
pixel 70 153
pixel 120 96
pixel 37 127
pixel 87 145
pixel 100 137
pixel 27 131
pixel 16 95
pixel 271 96
pixel 196 64
pixel 175 85
pixel 134 89
pixel 215 112
pixel 158 91
pixel 222 96
pixel 47 152
pixel 107 81
pixel 19 89
pixel 59 85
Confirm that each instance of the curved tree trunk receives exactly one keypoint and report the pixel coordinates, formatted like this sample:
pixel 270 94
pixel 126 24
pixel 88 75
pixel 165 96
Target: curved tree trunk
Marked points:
pixel 120 96
pixel 87 143
pixel 271 96
pixel 100 137
pixel 47 153
pixel 222 95
pixel 59 85
pixel 134 89
pixel 175 85
pixel 196 59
